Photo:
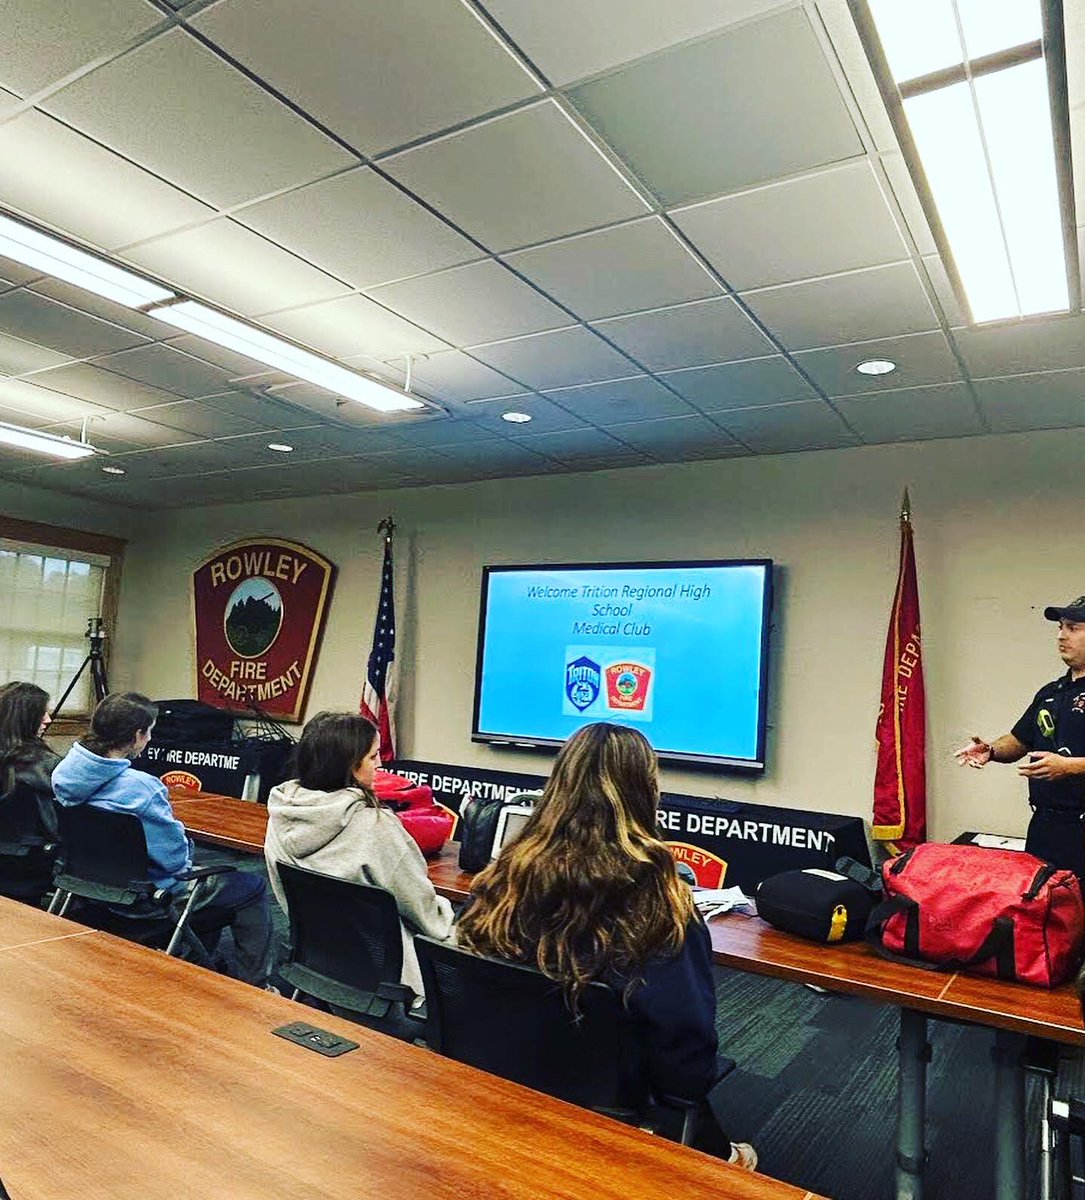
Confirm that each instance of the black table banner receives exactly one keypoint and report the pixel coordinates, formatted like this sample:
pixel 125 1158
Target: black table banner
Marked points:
pixel 725 842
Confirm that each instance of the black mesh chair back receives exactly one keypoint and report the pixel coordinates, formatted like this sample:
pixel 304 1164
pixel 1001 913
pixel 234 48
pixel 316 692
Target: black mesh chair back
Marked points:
pixel 346 943
pixel 27 849
pixel 510 1020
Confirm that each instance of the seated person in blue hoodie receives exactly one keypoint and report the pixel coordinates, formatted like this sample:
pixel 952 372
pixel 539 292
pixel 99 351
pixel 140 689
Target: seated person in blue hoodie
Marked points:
pixel 98 771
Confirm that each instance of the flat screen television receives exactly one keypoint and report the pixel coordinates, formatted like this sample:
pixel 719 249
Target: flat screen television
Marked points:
pixel 678 650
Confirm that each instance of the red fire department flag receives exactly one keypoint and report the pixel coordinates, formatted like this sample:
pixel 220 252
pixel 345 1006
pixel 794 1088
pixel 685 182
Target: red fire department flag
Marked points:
pixel 900 782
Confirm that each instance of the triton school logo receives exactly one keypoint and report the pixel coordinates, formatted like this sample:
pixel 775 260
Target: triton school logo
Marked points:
pixel 259 610
pixel 582 679
pixel 628 684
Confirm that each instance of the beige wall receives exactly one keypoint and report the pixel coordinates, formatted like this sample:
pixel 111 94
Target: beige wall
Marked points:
pixel 997 539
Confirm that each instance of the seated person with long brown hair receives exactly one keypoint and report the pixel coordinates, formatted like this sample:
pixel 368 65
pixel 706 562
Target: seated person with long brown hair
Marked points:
pixel 24 756
pixel 588 891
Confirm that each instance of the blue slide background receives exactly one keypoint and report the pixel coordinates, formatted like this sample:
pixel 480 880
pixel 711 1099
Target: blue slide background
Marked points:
pixel 707 656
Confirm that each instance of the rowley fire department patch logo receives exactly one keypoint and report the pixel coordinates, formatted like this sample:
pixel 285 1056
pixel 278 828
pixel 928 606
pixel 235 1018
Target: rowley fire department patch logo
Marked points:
pixel 182 781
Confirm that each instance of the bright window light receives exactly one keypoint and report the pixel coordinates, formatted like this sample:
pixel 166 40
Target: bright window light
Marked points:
pixel 971 82
pixel 54 257
pixel 44 443
pixel 237 335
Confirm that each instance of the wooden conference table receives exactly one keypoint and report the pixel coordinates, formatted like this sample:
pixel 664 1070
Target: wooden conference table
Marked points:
pixel 748 944
pixel 124 1073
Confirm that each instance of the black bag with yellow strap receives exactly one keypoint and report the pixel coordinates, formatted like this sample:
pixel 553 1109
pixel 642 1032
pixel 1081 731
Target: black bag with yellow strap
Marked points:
pixel 822 905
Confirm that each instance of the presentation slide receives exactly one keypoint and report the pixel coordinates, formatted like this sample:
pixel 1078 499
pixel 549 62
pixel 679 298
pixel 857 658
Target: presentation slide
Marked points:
pixel 676 650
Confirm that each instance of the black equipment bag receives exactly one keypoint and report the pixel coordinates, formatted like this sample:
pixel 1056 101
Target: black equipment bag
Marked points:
pixel 822 905
pixel 192 721
pixel 478 825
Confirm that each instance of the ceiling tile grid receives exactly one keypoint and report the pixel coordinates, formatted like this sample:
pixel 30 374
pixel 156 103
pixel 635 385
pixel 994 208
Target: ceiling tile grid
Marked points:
pixel 663 232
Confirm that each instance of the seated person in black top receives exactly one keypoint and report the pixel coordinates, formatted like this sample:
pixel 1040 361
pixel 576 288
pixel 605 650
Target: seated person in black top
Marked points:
pixel 588 892
pixel 26 760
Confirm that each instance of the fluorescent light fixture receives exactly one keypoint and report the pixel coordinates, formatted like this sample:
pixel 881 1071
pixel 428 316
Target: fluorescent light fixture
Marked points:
pixel 985 131
pixel 114 471
pixel 876 366
pixel 44 443
pixel 55 257
pixel 517 418
pixel 245 339
pixel 281 447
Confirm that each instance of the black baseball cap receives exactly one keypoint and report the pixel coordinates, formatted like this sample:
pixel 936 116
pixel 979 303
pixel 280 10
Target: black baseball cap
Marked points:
pixel 1074 611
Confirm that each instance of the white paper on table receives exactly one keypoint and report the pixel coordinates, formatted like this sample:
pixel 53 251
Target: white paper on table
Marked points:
pixel 721 900
pixel 996 841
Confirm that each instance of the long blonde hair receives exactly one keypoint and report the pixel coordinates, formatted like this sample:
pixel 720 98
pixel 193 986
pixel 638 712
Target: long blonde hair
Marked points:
pixel 588 890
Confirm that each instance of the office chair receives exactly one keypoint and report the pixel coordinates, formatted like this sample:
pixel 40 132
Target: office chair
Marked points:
pixel 510 1020
pixel 346 943
pixel 103 863
pixel 27 850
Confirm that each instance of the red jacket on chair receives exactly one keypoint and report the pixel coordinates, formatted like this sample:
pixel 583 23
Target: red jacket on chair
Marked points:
pixel 428 823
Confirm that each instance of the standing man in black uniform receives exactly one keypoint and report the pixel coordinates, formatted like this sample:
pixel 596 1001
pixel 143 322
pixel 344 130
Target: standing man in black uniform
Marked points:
pixel 1052 733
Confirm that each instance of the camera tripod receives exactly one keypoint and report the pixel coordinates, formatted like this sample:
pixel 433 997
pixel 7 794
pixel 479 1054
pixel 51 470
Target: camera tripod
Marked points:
pixel 94 660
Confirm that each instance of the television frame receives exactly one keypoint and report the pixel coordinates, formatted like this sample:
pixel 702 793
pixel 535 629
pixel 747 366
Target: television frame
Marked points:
pixel 755 765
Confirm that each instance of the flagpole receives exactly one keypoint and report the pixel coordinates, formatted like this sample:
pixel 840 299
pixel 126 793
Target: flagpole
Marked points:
pixel 379 687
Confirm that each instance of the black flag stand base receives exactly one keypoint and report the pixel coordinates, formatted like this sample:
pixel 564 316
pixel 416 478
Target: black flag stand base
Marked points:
pixel 94 660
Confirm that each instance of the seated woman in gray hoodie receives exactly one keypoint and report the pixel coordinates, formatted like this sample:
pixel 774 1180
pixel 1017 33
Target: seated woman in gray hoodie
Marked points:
pixel 329 820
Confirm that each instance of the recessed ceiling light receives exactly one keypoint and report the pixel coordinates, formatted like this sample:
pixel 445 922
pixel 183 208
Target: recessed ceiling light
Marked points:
pixel 282 447
pixel 113 470
pixel 516 418
pixel 876 366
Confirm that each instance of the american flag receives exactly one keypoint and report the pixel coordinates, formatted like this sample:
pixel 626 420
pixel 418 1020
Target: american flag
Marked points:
pixel 379 689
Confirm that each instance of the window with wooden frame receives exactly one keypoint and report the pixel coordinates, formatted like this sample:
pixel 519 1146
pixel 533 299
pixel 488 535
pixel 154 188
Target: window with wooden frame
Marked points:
pixel 53 581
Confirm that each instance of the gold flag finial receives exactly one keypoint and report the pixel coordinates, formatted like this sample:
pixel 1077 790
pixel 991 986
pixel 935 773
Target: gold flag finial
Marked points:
pixel 905 509
pixel 387 527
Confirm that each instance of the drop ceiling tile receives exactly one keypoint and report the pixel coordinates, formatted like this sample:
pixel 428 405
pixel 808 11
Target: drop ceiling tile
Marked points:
pixel 678 439
pixel 921 358
pixel 262 412
pixel 860 306
pixel 586 449
pixel 1047 344
pixel 132 432
pixel 836 220
pixel 414 463
pixel 493 459
pixel 262 148
pixel 98 306
pixel 8 102
pixel 442 433
pixel 724 386
pixel 567 39
pixel 95 385
pixel 618 270
pixel 704 331
pixel 14 274
pixel 361 228
pixel 621 400
pixel 912 414
pixel 900 181
pixel 552 360
pixel 785 428
pixel 58 327
pixel 480 302
pixel 784 111
pixel 1055 400
pixel 453 375
pixel 546 417
pixel 33 53
pixel 946 298
pixel 351 326
pixel 169 370
pixel 379 75
pixel 240 366
pixel 106 200
pixel 192 416
pixel 18 357
pixel 518 179
pixel 234 268
pixel 38 406
pixel 192 458
pixel 840 25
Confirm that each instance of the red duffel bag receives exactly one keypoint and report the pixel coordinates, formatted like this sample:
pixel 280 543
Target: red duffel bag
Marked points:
pixel 428 823
pixel 993 912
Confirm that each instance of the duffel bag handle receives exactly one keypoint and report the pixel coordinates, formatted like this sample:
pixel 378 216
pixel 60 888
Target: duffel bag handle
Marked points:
pixel 998 944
